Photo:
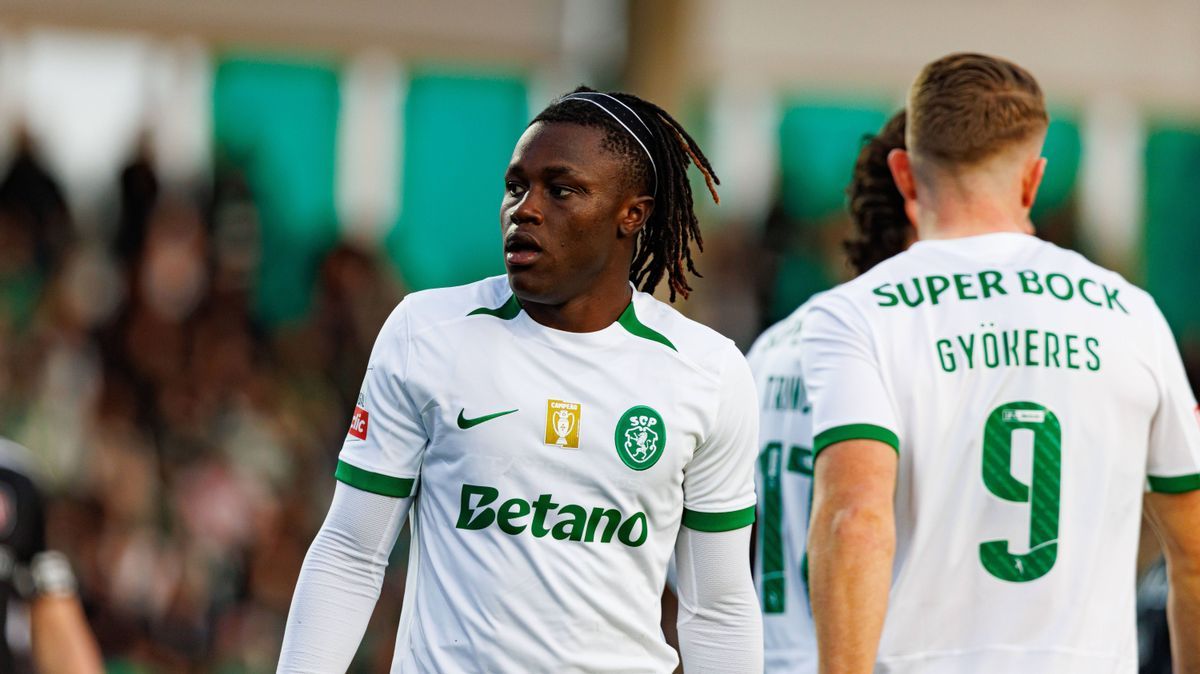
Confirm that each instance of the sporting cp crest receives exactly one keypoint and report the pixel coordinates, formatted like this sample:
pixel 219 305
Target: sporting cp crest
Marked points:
pixel 641 437
pixel 562 423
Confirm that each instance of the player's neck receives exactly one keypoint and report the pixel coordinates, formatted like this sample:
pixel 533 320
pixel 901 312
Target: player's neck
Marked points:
pixel 592 310
pixel 954 219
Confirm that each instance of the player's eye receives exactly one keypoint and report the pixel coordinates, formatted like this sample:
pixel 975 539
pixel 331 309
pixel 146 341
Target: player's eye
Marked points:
pixel 561 191
pixel 514 189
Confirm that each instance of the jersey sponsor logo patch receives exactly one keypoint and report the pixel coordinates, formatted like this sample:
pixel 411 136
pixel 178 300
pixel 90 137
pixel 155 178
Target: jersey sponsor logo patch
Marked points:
pixel 465 423
pixel 641 437
pixel 562 423
pixel 543 517
pixel 358 425
pixel 1025 416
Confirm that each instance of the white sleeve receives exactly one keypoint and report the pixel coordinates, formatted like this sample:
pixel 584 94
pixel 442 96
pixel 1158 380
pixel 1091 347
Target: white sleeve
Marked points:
pixel 718 482
pixel 386 443
pixel 720 627
pixel 340 580
pixel 1173 462
pixel 843 377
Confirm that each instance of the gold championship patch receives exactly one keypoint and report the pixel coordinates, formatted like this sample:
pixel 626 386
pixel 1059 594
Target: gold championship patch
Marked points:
pixel 562 423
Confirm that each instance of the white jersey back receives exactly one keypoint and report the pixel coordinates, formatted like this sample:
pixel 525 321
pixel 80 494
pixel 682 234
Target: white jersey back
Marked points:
pixel 1032 396
pixel 554 471
pixel 783 481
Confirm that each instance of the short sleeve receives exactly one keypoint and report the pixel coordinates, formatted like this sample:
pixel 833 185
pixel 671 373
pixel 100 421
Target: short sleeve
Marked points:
pixel 718 483
pixel 1173 461
pixel 386 442
pixel 843 377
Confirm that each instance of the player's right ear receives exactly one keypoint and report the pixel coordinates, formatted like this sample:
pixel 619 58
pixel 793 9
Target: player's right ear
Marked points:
pixel 901 166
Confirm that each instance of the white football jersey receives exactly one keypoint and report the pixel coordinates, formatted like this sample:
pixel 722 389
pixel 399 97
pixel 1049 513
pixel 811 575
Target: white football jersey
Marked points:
pixel 1032 397
pixel 551 472
pixel 783 481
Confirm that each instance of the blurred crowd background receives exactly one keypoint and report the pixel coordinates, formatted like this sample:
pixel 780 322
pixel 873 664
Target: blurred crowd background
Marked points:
pixel 206 213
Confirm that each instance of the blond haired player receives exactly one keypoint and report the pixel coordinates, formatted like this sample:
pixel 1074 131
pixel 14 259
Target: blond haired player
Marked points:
pixel 988 410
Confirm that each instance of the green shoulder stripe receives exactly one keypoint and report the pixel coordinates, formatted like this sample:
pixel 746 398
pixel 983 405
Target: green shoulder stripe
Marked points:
pixel 694 519
pixel 854 432
pixel 506 311
pixel 384 485
pixel 1175 485
pixel 630 322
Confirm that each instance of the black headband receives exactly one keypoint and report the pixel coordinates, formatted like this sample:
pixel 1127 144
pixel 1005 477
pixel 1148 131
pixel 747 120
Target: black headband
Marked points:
pixel 625 116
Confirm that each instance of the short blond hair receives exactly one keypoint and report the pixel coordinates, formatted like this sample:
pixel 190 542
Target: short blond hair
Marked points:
pixel 965 108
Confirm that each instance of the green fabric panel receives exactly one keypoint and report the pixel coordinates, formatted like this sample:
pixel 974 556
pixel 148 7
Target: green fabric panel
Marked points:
pixel 1062 151
pixel 1175 485
pixel 635 327
pixel 277 121
pixel 459 133
pixel 818 144
pixel 838 434
pixel 1172 238
pixel 506 311
pixel 701 521
pixel 376 483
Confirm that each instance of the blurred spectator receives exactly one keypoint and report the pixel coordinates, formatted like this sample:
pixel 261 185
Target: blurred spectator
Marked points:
pixel 139 193
pixel 31 197
pixel 182 441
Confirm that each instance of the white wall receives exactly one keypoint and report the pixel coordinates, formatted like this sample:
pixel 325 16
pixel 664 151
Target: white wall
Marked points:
pixel 1147 50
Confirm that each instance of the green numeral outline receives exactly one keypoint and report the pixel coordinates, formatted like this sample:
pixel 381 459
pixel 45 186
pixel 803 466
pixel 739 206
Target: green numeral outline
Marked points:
pixel 770 534
pixel 1043 495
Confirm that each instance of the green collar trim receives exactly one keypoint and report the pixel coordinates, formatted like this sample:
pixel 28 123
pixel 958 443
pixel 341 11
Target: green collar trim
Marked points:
pixel 506 311
pixel 630 322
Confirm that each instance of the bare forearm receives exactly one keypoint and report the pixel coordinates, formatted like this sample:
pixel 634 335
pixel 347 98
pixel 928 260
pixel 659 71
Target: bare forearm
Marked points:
pixel 1174 518
pixel 1183 612
pixel 62 641
pixel 850 567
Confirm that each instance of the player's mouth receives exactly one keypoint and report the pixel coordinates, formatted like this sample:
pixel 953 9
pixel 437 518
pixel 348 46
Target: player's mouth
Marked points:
pixel 521 249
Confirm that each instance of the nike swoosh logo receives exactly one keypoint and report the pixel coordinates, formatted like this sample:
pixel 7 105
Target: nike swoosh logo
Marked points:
pixel 465 423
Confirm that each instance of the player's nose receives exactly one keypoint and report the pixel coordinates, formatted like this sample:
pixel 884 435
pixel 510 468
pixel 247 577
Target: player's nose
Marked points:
pixel 527 211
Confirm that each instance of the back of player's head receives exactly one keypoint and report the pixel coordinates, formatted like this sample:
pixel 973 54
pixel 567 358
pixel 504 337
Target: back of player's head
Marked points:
pixel 657 150
pixel 881 226
pixel 966 108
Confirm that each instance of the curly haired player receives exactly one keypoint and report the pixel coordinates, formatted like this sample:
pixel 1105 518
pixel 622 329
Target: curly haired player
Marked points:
pixel 567 431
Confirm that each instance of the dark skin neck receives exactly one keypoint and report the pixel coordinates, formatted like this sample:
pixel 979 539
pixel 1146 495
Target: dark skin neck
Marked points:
pixel 595 309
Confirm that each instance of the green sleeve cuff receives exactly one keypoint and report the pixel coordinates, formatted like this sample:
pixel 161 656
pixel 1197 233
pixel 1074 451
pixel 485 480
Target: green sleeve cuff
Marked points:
pixel 694 519
pixel 384 485
pixel 855 432
pixel 1174 485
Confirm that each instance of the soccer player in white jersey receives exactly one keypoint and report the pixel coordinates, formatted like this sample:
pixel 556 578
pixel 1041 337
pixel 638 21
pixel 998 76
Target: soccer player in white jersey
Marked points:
pixel 552 435
pixel 783 479
pixel 988 410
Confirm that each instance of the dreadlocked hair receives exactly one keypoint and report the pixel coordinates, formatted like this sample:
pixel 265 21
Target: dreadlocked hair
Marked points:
pixel 664 246
pixel 881 227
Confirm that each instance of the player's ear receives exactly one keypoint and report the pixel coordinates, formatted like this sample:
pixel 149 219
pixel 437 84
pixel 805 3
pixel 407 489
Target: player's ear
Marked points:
pixel 900 163
pixel 1031 180
pixel 634 215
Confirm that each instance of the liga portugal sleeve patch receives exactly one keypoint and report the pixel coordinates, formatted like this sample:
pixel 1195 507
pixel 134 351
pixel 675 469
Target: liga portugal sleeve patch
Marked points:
pixel 358 425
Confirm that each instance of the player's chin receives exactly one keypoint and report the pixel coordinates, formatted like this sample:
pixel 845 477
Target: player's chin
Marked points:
pixel 531 284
